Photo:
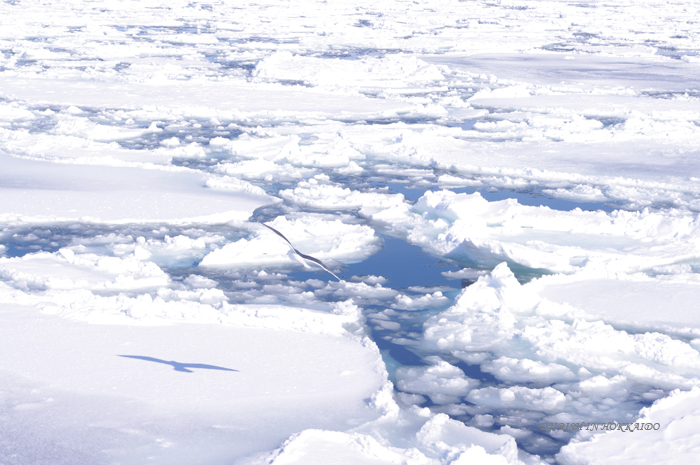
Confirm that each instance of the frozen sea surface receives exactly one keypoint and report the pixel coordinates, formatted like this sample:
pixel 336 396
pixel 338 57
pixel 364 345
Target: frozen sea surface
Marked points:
pixel 508 192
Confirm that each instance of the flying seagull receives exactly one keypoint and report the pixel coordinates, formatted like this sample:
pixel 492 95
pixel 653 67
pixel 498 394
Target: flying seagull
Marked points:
pixel 302 255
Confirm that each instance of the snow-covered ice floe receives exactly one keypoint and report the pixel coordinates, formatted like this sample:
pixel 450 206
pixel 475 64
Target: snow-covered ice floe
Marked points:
pixel 324 239
pixel 666 431
pixel 508 194
pixel 44 192
pixel 467 227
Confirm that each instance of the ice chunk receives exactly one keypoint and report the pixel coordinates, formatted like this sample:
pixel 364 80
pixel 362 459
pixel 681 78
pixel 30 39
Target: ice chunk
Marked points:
pixel 14 112
pixel 389 71
pixel 547 399
pixel 321 238
pixel 67 270
pixel 326 195
pixel 467 227
pixel 406 302
pixel 525 370
pixel 442 382
pixel 442 435
pixel 480 316
pixel 317 447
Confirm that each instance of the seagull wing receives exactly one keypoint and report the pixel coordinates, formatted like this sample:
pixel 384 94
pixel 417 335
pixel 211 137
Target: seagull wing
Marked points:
pixel 317 261
pixel 279 234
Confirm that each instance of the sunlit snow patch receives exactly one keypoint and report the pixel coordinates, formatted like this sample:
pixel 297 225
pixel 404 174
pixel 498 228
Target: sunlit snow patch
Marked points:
pixel 666 303
pixel 41 191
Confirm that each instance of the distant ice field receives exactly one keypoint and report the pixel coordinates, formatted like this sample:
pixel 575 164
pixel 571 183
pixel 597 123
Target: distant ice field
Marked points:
pixel 508 192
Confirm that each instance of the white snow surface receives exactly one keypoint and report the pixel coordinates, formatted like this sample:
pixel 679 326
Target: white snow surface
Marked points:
pixel 147 316
pixel 178 393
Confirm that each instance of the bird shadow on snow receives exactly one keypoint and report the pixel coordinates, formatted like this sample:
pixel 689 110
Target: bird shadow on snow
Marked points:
pixel 182 367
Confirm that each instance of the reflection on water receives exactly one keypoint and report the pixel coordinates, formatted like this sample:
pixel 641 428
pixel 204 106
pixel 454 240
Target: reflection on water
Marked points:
pixel 404 265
